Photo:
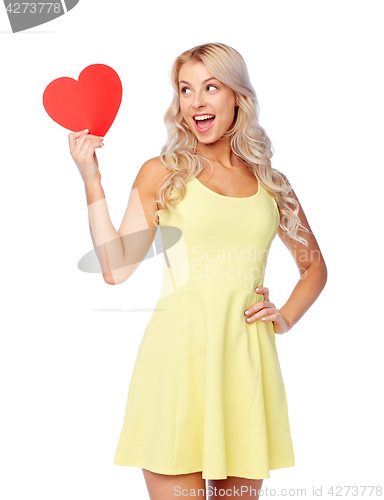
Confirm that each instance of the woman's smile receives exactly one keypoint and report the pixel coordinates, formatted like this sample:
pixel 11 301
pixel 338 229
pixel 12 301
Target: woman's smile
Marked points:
pixel 203 122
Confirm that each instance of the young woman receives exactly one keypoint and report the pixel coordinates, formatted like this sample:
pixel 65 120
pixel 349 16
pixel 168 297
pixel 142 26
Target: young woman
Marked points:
pixel 207 398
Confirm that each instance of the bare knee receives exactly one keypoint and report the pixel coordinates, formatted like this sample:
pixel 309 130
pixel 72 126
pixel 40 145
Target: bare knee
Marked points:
pixel 170 487
pixel 235 486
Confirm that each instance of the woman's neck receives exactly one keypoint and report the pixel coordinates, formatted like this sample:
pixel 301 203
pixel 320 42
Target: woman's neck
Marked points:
pixel 219 152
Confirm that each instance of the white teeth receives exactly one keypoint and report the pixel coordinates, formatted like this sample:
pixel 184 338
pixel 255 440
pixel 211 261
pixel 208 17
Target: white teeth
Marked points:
pixel 204 117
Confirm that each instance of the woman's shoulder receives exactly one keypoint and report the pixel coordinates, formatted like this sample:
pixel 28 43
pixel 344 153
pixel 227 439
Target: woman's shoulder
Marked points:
pixel 151 175
pixel 154 169
pixel 283 176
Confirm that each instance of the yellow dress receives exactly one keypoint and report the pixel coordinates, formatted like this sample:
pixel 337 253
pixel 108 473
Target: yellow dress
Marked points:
pixel 206 391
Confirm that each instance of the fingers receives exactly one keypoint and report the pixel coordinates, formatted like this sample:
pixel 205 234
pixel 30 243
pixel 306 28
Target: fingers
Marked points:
pixel 261 309
pixel 80 137
pixel 265 315
pixel 84 148
pixel 84 142
pixel 266 311
pixel 264 291
pixel 74 136
pixel 88 147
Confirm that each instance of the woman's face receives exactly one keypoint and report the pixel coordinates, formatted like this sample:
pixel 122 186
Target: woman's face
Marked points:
pixel 201 97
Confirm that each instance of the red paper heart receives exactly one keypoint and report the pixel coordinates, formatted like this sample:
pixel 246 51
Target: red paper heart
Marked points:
pixel 91 102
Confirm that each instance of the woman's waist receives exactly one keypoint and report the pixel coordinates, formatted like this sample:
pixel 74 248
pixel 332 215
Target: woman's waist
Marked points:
pixel 226 274
pixel 245 278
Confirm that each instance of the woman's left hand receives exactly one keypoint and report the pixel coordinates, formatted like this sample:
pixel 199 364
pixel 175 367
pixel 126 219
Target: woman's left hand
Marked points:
pixel 266 311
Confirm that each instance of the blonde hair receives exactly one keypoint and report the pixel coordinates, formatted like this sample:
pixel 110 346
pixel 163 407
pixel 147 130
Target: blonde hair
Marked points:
pixel 248 139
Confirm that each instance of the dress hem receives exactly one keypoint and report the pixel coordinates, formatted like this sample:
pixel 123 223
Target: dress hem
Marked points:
pixel 191 470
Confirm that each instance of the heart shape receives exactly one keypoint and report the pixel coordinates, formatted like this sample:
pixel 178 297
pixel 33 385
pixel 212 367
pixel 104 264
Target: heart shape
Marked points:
pixel 92 101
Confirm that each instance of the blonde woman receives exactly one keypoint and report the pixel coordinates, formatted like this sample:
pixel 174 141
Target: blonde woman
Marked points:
pixel 207 411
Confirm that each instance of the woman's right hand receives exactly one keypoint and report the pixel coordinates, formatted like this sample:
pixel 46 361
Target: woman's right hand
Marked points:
pixel 82 147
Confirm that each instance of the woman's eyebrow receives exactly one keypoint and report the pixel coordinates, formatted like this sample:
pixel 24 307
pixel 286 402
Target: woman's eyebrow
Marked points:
pixel 207 80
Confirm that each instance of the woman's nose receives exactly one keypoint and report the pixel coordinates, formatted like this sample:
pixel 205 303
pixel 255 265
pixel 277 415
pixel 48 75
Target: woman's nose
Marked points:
pixel 198 102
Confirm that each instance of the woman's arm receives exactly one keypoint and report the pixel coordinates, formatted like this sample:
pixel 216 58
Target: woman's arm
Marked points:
pixel 106 240
pixel 121 252
pixel 312 269
pixel 310 285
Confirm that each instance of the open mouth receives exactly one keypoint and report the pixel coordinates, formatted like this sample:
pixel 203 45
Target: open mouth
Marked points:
pixel 204 124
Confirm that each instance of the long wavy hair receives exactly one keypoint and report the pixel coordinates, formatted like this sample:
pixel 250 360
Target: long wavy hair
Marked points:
pixel 249 140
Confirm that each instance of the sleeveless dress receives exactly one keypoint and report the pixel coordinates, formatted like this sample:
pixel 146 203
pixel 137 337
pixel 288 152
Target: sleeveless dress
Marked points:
pixel 206 391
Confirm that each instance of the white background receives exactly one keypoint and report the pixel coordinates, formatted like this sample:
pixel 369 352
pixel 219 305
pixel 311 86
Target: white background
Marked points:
pixel 69 341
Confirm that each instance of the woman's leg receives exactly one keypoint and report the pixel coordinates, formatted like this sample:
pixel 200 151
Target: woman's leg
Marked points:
pixel 167 487
pixel 246 489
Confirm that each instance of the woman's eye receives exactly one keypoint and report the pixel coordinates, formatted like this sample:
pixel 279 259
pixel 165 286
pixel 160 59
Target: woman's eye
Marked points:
pixel 183 90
